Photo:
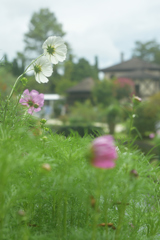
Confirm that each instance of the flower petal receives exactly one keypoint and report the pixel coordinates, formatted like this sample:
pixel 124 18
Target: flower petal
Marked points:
pixel 31 110
pixel 26 92
pixel 39 100
pixel 37 109
pixel 58 43
pixel 104 164
pixel 60 57
pixel 42 78
pixel 49 41
pixel 47 69
pixel 34 93
pixel 62 48
pixel 54 60
pixel 37 78
pixel 24 103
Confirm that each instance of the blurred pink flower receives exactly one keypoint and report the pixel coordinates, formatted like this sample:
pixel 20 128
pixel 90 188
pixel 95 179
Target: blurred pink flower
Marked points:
pixel 151 135
pixel 103 152
pixel 33 100
pixel 124 81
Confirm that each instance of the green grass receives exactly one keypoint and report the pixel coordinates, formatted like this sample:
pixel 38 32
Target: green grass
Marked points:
pixel 73 198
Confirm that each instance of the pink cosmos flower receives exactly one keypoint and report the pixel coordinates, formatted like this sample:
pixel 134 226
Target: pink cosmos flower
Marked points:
pixel 104 152
pixel 33 100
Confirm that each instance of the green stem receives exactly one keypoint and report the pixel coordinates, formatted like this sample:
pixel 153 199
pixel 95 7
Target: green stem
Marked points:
pixel 120 221
pixel 65 217
pixel 96 214
pixel 106 216
pixel 25 114
pixel 14 86
pixel 134 204
pixel 131 123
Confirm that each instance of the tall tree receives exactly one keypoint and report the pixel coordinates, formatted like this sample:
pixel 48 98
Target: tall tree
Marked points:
pixel 148 51
pixel 83 69
pixel 42 25
pixel 18 64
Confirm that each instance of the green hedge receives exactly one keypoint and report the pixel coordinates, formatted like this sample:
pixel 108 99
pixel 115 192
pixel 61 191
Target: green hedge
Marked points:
pixel 81 130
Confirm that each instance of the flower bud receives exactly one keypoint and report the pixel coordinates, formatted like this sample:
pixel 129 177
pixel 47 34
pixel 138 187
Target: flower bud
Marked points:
pixel 21 213
pixel 24 81
pixel 43 121
pixel 44 139
pixel 36 105
pixel 136 100
pixel 46 166
pixel 134 173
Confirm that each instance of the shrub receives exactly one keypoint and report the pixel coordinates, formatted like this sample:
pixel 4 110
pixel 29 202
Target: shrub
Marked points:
pixel 103 92
pixel 113 113
pixel 146 117
pixel 81 130
pixel 123 88
pixel 83 113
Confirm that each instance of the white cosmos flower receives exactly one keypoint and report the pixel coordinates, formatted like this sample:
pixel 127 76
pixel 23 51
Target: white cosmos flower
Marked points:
pixel 55 49
pixel 42 68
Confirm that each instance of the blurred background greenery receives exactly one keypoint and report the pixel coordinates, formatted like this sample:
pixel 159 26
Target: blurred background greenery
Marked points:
pixel 107 102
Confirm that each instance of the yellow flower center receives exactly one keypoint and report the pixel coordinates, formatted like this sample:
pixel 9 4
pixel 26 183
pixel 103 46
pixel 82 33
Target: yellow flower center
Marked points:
pixel 37 68
pixel 50 50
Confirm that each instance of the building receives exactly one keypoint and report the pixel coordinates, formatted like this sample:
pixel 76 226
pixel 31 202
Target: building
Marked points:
pixel 146 75
pixel 81 91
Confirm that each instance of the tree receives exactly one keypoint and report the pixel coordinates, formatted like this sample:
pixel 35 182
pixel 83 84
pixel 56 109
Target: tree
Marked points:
pixel 148 51
pixel 15 68
pixel 42 25
pixel 6 63
pixel 83 69
pixel 69 66
pixel 74 73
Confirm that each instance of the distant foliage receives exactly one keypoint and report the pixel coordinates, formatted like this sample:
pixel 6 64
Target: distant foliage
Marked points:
pixel 103 92
pixel 107 92
pixel 6 82
pixel 42 25
pixel 147 115
pixel 148 51
pixel 83 113
pixel 74 73
pixel 83 69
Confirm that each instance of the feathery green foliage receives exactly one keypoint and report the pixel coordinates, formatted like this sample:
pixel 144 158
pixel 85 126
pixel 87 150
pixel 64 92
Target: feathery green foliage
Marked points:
pixel 70 199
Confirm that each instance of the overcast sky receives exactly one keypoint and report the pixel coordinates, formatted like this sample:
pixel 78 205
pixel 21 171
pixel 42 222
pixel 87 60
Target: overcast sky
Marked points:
pixel 94 27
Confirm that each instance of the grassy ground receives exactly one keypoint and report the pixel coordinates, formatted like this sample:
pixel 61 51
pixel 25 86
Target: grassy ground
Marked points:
pixel 68 198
